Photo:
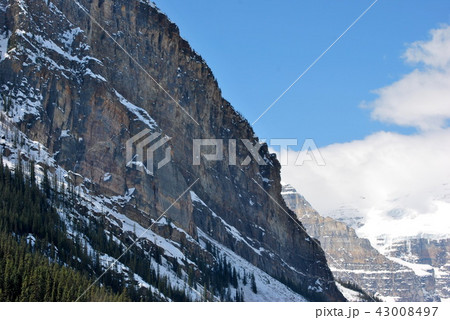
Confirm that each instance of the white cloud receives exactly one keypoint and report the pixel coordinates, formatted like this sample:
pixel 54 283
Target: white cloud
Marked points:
pixel 399 183
pixel 386 177
pixel 420 99
pixel 434 53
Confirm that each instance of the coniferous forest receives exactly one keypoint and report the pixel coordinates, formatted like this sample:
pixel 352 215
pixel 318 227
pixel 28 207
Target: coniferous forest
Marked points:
pixel 39 262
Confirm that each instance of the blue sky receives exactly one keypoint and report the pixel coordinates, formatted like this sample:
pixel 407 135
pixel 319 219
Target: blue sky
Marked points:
pixel 256 49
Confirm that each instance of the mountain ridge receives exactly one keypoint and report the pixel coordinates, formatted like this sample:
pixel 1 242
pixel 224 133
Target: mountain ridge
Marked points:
pixel 76 94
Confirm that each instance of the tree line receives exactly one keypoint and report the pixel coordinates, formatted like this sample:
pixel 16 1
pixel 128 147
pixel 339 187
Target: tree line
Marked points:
pixel 40 262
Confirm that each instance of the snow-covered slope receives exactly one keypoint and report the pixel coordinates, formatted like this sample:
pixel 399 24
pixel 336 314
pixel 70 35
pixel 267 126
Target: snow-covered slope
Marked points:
pixel 397 269
pixel 267 288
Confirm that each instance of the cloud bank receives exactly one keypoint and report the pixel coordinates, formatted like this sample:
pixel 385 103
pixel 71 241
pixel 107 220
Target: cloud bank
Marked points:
pixel 399 183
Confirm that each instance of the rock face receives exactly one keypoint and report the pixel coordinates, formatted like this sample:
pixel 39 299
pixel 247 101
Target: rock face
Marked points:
pixel 81 91
pixel 430 253
pixel 403 274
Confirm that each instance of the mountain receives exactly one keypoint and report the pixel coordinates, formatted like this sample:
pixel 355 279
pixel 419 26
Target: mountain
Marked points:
pixel 407 270
pixel 82 84
pixel 427 255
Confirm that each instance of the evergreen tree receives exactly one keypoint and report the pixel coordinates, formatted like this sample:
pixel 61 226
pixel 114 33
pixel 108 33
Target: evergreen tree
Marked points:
pixel 234 278
pixel 253 284
pixel 46 183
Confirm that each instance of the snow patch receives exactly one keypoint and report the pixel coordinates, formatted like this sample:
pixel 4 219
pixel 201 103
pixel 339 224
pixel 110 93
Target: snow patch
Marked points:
pixel 4 39
pixel 268 288
pixel 350 295
pixel 421 270
pixel 23 100
pixel 141 114
pixel 65 134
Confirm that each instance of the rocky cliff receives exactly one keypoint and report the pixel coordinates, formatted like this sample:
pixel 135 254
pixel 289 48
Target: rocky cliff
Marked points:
pixel 403 273
pixel 81 78
pixel 428 255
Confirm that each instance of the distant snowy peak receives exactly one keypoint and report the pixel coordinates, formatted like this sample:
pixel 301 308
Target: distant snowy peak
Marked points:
pixel 398 268
pixel 348 215
pixel 288 189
